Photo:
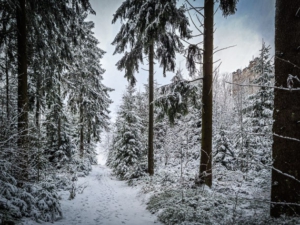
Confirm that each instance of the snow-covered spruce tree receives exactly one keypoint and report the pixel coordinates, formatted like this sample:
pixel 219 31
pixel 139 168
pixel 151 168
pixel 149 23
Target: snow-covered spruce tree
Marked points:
pixel 224 151
pixel 127 145
pixel 149 27
pixel 110 147
pixel 87 96
pixel 257 114
pixel 60 148
pixel 142 111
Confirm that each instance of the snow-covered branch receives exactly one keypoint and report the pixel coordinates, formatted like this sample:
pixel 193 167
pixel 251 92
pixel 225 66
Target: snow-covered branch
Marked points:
pixel 255 85
pixel 285 174
pixel 289 138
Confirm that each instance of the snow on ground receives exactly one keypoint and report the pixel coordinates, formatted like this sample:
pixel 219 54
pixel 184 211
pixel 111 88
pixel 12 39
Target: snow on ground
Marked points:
pixel 105 200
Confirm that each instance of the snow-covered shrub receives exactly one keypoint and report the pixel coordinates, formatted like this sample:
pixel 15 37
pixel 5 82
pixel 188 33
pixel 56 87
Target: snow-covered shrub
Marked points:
pixel 47 202
pixel 204 206
pixel 39 201
pixel 83 166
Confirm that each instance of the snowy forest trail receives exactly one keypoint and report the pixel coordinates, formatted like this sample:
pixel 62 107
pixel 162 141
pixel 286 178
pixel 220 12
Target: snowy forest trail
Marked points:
pixel 104 200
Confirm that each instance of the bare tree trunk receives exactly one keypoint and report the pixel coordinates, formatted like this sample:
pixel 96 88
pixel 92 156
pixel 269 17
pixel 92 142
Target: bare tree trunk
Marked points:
pixel 22 86
pixel 151 112
pixel 286 114
pixel 205 172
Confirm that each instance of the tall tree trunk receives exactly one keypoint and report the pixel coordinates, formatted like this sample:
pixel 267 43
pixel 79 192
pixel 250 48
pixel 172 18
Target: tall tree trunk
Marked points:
pixel 7 88
pixel 151 112
pixel 81 145
pixel 37 103
pixel 59 116
pixel 22 86
pixel 205 172
pixel 286 114
pixel 89 132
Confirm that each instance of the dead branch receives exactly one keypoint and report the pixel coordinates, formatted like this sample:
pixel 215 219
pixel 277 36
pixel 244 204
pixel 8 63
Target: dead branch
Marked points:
pixel 287 61
pixel 193 7
pixel 195 24
pixel 285 174
pixel 224 48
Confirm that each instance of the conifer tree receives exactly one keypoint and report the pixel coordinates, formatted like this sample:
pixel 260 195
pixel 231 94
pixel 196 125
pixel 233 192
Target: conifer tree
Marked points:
pixel 257 110
pixel 128 146
pixel 88 97
pixel 148 27
pixel 39 42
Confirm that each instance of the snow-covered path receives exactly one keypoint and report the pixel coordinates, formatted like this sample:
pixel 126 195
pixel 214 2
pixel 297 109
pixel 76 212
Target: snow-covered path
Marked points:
pixel 105 200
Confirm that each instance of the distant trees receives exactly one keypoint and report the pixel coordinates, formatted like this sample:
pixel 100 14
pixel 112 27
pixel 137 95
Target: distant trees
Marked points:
pixel 88 98
pixel 285 193
pixel 149 27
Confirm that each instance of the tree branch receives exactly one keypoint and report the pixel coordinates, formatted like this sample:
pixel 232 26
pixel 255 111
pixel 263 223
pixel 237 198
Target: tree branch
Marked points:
pixel 254 85
pixel 193 7
pixel 224 48
pixel 289 138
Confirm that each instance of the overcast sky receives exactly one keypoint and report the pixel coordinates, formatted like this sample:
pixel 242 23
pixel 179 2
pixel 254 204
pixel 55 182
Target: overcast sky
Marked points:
pixel 252 23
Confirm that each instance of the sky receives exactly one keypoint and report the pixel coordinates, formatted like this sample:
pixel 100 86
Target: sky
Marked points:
pixel 246 29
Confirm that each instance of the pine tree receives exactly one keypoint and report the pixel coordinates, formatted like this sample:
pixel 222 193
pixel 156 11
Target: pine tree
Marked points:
pixel 128 146
pixel 88 97
pixel 142 112
pixel 149 28
pixel 257 110
pixel 224 153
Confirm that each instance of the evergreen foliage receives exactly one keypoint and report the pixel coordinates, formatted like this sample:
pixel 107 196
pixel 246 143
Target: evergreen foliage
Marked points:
pixel 61 55
pixel 176 97
pixel 258 112
pixel 128 148
pixel 149 28
pixel 146 23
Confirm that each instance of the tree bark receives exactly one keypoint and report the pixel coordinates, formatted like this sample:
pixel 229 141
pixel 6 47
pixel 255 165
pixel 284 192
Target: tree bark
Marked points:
pixel 89 132
pixel 59 141
pixel 151 112
pixel 286 114
pixel 22 86
pixel 81 145
pixel 37 104
pixel 7 88
pixel 205 172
